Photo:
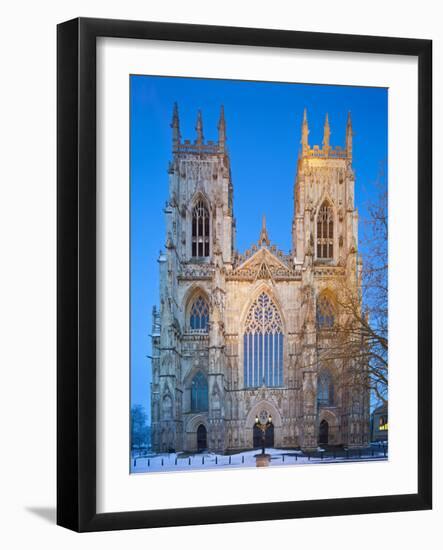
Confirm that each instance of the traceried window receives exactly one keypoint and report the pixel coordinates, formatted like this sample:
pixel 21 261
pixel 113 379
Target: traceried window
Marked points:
pixel 263 344
pixel 199 393
pixel 199 315
pixel 325 232
pixel 325 389
pixel 200 230
pixel 325 313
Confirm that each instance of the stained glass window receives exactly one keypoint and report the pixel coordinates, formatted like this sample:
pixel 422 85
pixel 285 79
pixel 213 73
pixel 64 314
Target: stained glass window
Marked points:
pixel 199 316
pixel 325 232
pixel 200 230
pixel 199 393
pixel 263 344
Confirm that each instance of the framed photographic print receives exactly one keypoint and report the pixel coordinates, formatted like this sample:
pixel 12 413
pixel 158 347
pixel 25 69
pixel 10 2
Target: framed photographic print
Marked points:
pixel 244 274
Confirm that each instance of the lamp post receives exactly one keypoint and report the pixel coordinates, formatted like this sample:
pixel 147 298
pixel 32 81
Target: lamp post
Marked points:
pixel 263 427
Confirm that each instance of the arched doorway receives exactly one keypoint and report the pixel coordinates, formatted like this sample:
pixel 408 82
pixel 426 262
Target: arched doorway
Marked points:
pixel 323 432
pixel 202 438
pixel 257 441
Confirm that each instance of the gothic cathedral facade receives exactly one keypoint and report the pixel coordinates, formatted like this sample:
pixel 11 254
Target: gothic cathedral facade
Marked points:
pixel 241 336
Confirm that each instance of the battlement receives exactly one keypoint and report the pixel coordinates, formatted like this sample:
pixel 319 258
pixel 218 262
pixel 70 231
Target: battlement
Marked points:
pixel 189 148
pixel 326 151
pixel 199 146
pixel 330 152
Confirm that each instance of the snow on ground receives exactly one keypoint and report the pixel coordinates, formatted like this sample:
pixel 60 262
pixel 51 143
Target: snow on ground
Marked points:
pixel 166 462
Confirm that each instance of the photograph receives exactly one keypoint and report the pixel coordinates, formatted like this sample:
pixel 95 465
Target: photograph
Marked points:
pixel 258 274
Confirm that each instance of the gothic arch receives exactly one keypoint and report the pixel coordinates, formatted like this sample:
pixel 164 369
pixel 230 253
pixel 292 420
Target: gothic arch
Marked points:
pixel 197 196
pixel 194 422
pixel 255 293
pixel 326 310
pixel 333 426
pixel 270 408
pixel 187 388
pixel 325 197
pixel 266 405
pixel 262 343
pixel 191 293
pixel 200 226
pixel 329 416
pixel 325 229
pixel 191 296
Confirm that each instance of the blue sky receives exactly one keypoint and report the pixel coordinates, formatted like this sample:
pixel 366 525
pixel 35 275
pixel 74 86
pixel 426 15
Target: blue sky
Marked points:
pixel 263 128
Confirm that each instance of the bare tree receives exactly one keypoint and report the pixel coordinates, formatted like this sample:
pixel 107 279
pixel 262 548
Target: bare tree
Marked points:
pixel 360 332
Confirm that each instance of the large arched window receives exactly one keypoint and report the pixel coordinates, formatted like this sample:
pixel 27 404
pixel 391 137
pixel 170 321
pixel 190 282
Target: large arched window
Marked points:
pixel 325 232
pixel 325 314
pixel 199 393
pixel 199 315
pixel 263 344
pixel 325 389
pixel 200 230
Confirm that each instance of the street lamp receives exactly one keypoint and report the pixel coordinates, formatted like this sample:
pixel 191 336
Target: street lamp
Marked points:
pixel 263 427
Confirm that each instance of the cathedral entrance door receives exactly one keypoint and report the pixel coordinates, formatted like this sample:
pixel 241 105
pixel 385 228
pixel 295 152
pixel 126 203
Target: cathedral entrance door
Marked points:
pixel 257 435
pixel 202 440
pixel 323 433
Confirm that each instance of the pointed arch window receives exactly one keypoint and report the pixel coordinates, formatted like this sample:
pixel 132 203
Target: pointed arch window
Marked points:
pixel 263 344
pixel 325 313
pixel 199 393
pixel 200 230
pixel 325 389
pixel 325 232
pixel 199 315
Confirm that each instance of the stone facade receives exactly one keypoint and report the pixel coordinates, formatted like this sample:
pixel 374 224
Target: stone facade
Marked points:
pixel 236 335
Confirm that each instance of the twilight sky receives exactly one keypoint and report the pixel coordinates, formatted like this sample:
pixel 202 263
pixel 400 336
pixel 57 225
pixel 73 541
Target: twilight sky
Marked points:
pixel 264 129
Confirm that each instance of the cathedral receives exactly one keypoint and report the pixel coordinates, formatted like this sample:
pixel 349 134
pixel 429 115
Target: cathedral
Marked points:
pixel 240 336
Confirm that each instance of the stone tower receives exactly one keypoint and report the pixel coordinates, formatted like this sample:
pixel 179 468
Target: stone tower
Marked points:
pixel 200 241
pixel 324 239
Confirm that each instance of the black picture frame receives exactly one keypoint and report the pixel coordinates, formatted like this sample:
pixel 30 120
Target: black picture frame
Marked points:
pixel 76 273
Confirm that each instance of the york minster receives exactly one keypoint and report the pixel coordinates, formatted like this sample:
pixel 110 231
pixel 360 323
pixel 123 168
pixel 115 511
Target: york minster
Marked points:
pixel 241 335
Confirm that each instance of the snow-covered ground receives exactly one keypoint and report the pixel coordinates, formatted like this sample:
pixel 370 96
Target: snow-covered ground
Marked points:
pixel 166 462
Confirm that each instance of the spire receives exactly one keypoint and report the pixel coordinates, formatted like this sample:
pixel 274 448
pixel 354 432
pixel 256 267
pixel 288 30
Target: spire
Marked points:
pixel 264 239
pixel 222 129
pixel 175 125
pixel 349 135
pixel 305 133
pixel 326 133
pixel 199 128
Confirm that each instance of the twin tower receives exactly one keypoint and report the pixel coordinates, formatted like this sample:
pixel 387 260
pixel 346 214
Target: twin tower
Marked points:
pixel 238 335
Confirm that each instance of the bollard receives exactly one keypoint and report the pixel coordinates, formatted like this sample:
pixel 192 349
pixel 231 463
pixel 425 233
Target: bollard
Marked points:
pixel 229 460
pixel 321 454
pixel 216 459
pixel 295 458
pixel 309 456
pixel 149 462
pixel 162 461
pixel 283 458
pixel 135 462
pixel 334 455
pixel 189 461
pixel 175 461
pixel 203 459
pixel 242 459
